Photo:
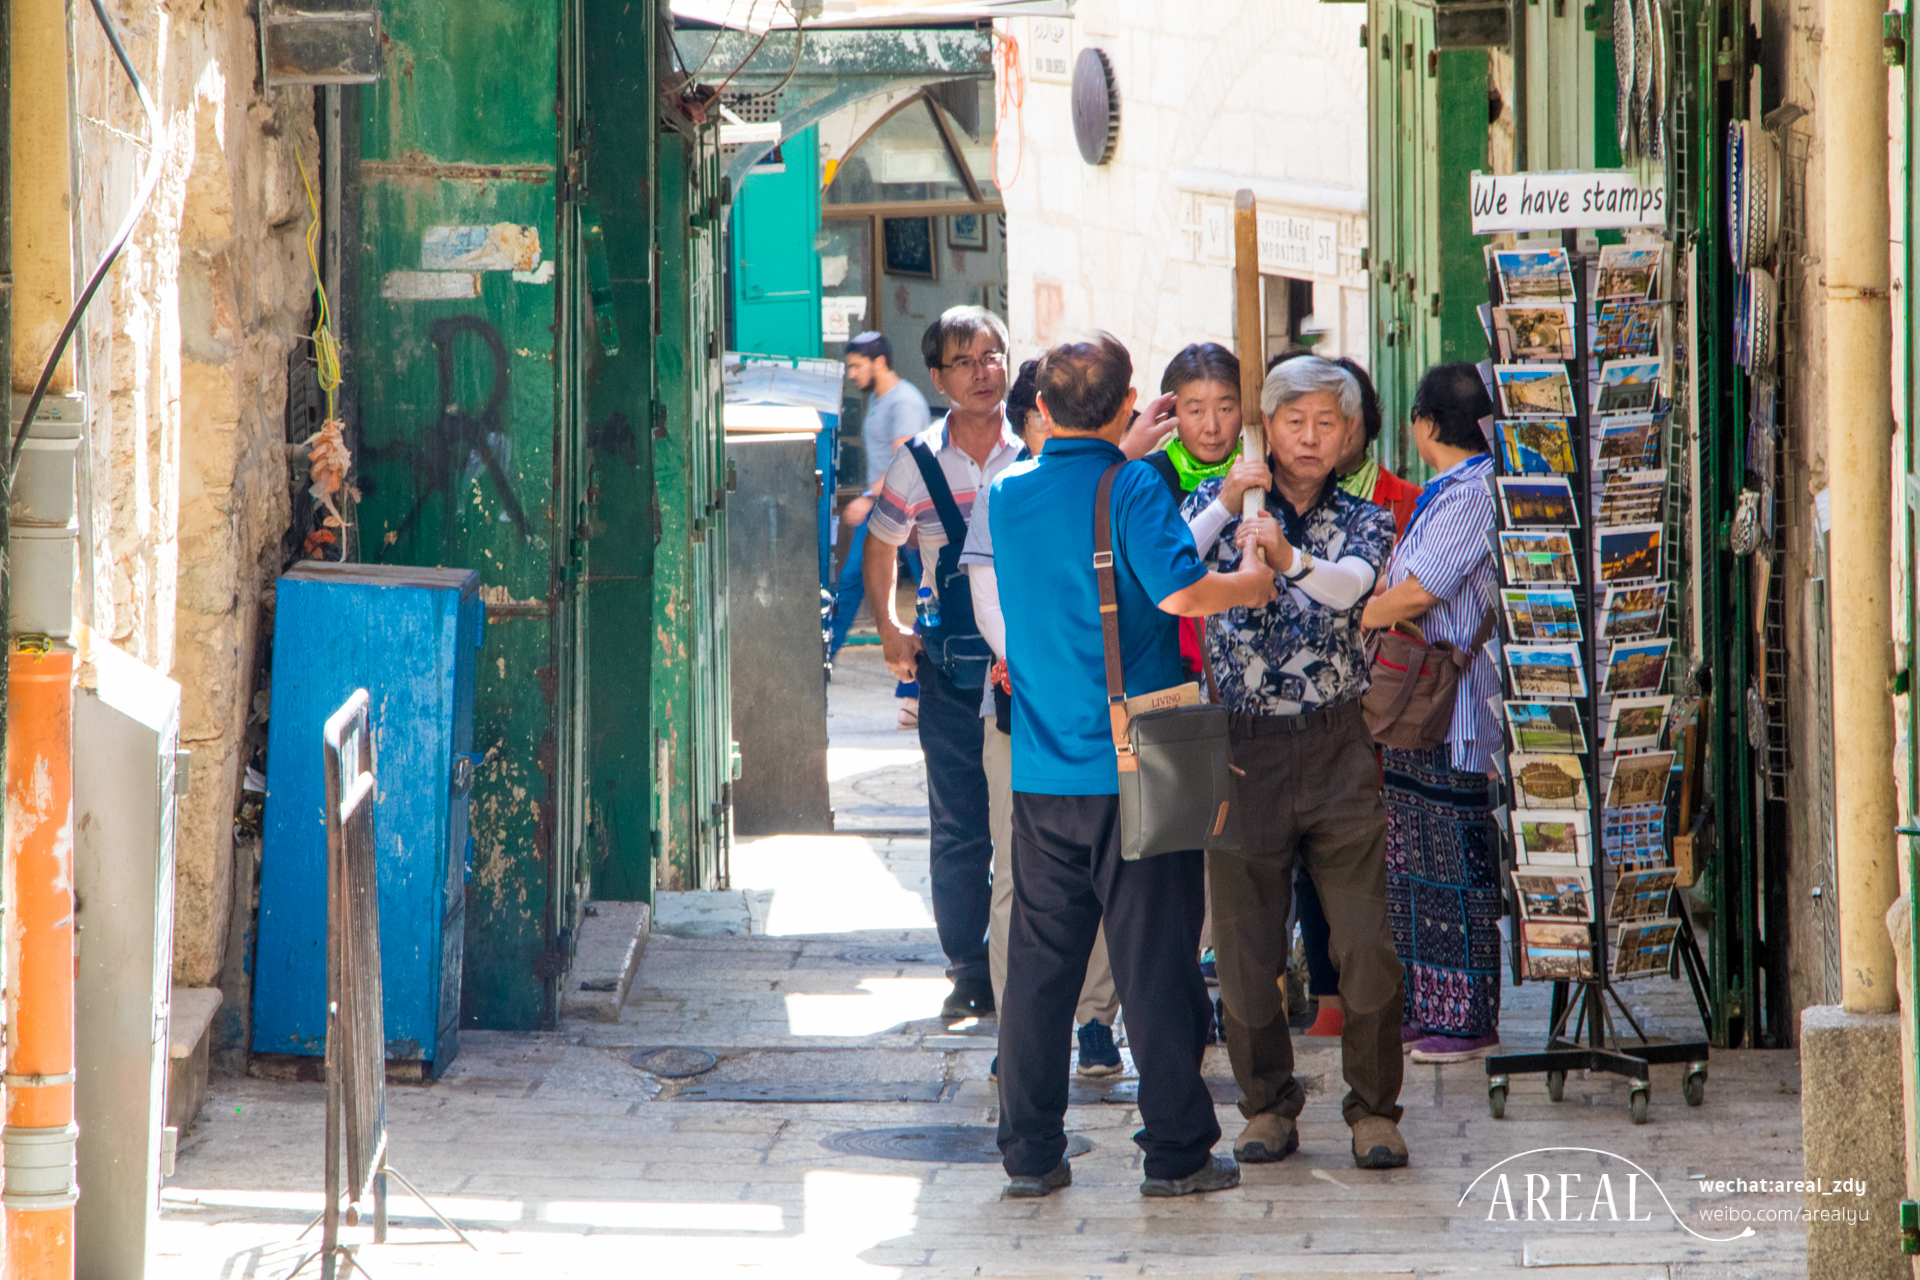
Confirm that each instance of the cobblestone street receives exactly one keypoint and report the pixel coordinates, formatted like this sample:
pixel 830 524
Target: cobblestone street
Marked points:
pixel 815 983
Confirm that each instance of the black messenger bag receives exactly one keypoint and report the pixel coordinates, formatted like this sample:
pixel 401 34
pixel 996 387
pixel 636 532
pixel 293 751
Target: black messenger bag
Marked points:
pixel 1176 778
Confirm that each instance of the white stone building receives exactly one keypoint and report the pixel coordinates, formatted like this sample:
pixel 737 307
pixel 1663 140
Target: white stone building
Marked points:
pixel 1213 97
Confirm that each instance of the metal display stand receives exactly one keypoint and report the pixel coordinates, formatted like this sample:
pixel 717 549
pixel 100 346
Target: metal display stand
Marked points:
pixel 1582 1034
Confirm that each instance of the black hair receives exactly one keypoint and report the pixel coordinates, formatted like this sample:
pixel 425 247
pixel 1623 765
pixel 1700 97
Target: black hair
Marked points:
pixel 959 326
pixel 1201 362
pixel 873 345
pixel 1452 397
pixel 1291 353
pixel 1021 396
pixel 1369 398
pixel 1084 383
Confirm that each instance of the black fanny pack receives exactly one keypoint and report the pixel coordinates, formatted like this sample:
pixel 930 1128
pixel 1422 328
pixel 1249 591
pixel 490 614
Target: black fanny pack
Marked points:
pixel 956 645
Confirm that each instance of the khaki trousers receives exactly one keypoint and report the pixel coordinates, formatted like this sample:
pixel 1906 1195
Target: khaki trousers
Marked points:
pixel 1311 791
pixel 1099 1001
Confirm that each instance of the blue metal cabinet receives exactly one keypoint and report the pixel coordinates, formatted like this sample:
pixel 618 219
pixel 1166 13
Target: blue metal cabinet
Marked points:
pixel 410 637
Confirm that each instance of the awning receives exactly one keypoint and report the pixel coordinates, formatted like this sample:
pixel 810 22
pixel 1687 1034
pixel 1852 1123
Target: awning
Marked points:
pixel 758 16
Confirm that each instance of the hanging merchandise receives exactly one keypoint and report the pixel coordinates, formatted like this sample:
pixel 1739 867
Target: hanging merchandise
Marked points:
pixel 1598 730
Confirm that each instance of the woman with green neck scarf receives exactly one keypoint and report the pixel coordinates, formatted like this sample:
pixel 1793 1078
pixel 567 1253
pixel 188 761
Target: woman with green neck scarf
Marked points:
pixel 1200 391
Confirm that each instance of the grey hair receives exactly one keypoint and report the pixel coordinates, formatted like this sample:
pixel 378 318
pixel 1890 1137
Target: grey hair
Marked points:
pixel 1304 375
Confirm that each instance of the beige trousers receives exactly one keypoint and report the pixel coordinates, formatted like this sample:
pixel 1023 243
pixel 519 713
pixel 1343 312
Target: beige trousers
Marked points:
pixel 1099 1001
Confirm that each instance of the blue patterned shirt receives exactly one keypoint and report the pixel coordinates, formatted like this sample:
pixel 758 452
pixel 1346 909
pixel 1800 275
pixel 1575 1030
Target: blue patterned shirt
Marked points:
pixel 1295 654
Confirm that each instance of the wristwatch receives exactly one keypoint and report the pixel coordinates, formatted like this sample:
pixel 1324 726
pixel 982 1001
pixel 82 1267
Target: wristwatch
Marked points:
pixel 1302 565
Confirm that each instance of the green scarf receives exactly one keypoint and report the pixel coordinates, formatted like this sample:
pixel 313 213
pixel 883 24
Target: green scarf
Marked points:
pixel 1360 483
pixel 1191 470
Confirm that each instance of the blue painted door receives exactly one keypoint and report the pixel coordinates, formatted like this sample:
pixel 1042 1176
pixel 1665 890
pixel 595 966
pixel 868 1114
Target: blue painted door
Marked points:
pixel 776 268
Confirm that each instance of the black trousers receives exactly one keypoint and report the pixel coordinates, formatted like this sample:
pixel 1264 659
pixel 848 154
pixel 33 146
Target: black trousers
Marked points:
pixel 1067 874
pixel 960 852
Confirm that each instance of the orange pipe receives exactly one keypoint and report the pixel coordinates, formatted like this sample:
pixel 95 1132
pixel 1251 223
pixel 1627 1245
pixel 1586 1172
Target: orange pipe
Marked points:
pixel 40 962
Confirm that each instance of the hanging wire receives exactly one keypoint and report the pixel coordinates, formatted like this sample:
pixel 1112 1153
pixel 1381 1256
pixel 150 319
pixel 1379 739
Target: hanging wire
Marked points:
pixel 326 348
pixel 1010 93
pixel 149 182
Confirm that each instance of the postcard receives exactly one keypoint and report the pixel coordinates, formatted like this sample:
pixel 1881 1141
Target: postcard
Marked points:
pixel 1546 726
pixel 1627 272
pixel 1630 441
pixel 1632 497
pixel 1641 895
pixel 1637 666
pixel 1633 612
pixel 1635 836
pixel 1551 837
pixel 1545 933
pixel 1537 502
pixel 1561 895
pixel 1547 781
pixel 1535 390
pixel 1535 332
pixel 1559 964
pixel 1536 446
pixel 1545 670
pixel 1625 327
pixel 1538 556
pixel 1628 552
pixel 1533 275
pixel 1637 724
pixel 1640 778
pixel 1645 950
pixel 1541 614
pixel 1628 386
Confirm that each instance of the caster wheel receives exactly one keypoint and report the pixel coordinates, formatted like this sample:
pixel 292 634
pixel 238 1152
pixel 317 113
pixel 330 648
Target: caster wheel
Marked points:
pixel 1637 1106
pixel 1695 1087
pixel 1497 1101
pixel 1556 1085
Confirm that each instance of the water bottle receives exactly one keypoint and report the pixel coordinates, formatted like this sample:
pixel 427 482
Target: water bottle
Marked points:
pixel 927 610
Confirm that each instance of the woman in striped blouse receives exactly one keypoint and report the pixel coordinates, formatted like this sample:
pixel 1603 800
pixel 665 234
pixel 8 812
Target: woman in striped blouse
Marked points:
pixel 1443 867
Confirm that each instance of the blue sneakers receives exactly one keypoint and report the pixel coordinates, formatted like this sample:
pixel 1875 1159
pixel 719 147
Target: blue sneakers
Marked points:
pixel 1099 1056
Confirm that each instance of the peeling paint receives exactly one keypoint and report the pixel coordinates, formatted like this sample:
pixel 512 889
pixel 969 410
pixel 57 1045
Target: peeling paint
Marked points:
pixel 504 246
pixel 429 286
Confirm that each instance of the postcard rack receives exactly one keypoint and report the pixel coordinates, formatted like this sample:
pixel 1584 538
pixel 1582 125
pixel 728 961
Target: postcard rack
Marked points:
pixel 1579 344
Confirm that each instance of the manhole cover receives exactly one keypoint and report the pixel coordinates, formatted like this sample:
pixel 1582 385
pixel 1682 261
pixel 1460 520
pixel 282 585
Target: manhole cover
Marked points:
pixel 933 1144
pixel 674 1064
pixel 891 955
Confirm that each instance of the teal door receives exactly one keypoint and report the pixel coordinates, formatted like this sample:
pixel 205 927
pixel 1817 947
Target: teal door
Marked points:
pixel 776 267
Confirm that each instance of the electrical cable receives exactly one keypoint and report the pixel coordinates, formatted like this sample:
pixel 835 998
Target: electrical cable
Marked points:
pixel 1010 91
pixel 799 39
pixel 149 183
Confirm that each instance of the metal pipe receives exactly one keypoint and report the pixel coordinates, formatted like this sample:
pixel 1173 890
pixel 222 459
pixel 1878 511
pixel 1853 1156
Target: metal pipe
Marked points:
pixel 40 1132
pixel 1859 461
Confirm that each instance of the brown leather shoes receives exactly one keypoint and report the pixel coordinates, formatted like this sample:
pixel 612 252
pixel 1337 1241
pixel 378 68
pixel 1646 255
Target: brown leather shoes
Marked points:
pixel 1268 1139
pixel 1377 1144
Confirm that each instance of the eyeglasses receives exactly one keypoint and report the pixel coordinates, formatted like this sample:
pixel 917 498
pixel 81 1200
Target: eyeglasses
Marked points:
pixel 965 365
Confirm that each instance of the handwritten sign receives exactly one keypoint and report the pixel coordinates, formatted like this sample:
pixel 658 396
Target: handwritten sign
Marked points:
pixel 1559 201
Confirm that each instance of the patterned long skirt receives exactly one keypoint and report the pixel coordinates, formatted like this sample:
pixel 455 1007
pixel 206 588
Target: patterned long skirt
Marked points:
pixel 1443 892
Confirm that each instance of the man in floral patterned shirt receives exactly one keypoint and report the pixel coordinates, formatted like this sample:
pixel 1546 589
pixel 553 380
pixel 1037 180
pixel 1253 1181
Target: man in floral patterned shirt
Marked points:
pixel 1292 674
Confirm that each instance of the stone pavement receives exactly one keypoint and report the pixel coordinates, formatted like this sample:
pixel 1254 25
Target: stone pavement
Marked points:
pixel 819 978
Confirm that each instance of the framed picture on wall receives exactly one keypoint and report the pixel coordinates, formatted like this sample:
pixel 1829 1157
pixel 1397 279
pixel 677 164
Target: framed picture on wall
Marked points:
pixel 967 231
pixel 908 243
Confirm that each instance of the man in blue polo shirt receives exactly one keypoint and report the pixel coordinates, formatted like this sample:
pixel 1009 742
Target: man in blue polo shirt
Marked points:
pixel 1067 869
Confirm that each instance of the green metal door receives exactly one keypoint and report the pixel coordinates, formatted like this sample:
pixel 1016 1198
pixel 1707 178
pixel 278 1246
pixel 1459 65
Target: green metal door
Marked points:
pixel 1403 157
pixel 776 269
pixel 471 443
pixel 617 140
pixel 691 692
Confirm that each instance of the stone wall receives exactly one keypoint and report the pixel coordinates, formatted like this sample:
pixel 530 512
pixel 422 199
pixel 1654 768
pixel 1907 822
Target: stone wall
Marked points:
pixel 186 355
pixel 1266 94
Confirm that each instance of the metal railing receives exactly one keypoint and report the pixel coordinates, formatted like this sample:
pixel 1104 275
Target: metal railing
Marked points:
pixel 356 1056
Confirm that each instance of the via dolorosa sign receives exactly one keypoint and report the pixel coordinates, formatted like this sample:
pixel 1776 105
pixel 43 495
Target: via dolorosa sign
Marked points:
pixel 1600 200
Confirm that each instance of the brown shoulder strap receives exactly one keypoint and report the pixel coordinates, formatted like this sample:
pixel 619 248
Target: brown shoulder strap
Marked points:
pixel 1110 612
